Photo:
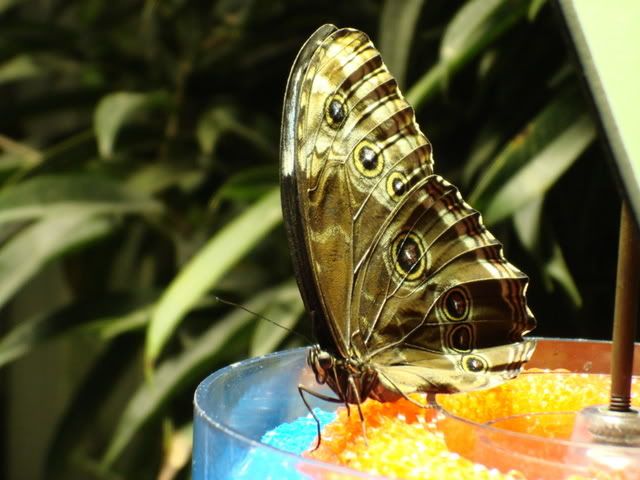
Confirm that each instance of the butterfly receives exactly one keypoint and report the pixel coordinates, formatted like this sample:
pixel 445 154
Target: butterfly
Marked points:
pixel 407 289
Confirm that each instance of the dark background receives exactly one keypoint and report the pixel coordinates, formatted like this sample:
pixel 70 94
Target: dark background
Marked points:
pixel 196 148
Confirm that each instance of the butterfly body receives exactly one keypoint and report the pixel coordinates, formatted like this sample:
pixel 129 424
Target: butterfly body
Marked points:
pixel 407 289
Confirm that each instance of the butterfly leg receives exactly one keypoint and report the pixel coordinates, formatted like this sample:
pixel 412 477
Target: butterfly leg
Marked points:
pixel 337 386
pixel 301 390
pixel 431 397
pixel 356 391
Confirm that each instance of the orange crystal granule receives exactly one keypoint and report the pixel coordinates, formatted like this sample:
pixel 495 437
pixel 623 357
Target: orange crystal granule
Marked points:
pixel 406 441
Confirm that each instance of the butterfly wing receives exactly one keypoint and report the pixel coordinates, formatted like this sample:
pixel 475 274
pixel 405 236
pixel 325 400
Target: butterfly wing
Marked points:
pixel 447 311
pixel 380 242
pixel 348 138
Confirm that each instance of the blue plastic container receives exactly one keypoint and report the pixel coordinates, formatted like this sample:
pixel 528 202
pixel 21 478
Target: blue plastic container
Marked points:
pixel 235 407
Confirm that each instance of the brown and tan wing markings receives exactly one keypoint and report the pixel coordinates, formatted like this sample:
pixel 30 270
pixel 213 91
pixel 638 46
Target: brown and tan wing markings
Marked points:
pixel 375 266
pixel 405 314
pixel 326 240
pixel 405 273
pixel 373 107
pixel 417 371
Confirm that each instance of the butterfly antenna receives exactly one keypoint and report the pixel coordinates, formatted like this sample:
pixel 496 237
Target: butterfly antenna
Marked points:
pixel 262 317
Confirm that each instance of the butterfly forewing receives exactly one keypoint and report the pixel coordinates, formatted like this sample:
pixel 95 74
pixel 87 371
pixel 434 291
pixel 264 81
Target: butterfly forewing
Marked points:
pixel 358 148
pixel 397 270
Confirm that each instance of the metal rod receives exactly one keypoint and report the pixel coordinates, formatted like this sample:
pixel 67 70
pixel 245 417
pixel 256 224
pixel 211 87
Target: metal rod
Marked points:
pixel 626 312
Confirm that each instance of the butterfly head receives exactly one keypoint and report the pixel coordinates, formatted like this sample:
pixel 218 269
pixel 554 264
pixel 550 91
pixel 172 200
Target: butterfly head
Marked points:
pixel 351 379
pixel 321 363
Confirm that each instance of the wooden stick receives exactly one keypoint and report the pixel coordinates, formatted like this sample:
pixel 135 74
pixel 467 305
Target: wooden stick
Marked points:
pixel 626 312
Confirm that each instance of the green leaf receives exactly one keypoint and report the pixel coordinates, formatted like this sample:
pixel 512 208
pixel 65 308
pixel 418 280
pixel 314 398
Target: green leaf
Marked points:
pixel 108 327
pixel 484 147
pixel 10 162
pixel 212 125
pixel 397 26
pixel 248 185
pixel 34 246
pixel 427 86
pixel 220 120
pixel 104 318
pixel 20 151
pixel 267 336
pixel 178 451
pixel 173 373
pixel 556 267
pixel 5 4
pixel 71 194
pixel 96 403
pixel 220 253
pixel 534 9
pixel 18 68
pixel 542 171
pixel 156 177
pixel 477 24
pixel 541 132
pixel 115 109
pixel 529 224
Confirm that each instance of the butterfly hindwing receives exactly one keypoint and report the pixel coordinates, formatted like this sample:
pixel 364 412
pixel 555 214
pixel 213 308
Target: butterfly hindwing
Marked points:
pixel 444 293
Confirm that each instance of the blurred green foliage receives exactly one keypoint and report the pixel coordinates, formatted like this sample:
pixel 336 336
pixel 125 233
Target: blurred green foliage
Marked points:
pixel 138 179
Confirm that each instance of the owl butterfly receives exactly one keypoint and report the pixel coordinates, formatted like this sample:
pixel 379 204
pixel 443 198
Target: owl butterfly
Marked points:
pixel 407 289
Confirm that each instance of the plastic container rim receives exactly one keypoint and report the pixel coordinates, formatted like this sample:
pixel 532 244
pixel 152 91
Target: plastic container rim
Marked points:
pixel 519 435
pixel 256 444
pixel 340 469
